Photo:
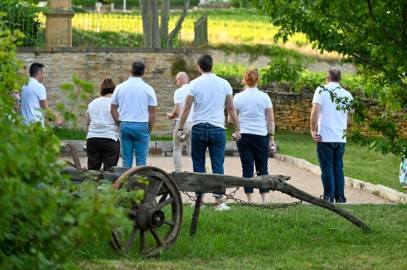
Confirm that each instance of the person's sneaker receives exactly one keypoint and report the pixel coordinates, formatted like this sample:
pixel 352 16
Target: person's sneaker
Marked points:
pixel 222 207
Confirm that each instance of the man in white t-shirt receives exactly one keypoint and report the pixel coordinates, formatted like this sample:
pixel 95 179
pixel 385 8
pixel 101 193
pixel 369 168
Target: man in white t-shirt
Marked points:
pixel 134 110
pixel 34 97
pixel 209 94
pixel 328 129
pixel 180 94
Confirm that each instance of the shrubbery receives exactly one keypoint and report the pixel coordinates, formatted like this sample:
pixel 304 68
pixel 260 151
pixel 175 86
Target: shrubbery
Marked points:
pixel 22 16
pixel 44 217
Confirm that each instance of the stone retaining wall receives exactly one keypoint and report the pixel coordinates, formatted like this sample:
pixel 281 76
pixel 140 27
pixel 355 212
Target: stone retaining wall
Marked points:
pixel 94 65
pixel 291 110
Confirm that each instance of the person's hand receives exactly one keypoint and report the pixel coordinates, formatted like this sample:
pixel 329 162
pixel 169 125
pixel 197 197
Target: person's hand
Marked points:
pixel 181 135
pixel 169 116
pixel 315 136
pixel 272 146
pixel 58 121
pixel 236 135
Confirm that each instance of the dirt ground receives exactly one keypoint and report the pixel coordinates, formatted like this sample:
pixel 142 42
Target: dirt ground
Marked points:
pixel 301 179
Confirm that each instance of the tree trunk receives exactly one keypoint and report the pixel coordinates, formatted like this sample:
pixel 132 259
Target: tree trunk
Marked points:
pixel 146 19
pixel 164 21
pixel 177 27
pixel 155 26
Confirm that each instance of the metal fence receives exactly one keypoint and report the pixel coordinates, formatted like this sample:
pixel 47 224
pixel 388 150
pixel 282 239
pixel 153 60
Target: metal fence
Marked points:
pixel 26 20
pixel 95 29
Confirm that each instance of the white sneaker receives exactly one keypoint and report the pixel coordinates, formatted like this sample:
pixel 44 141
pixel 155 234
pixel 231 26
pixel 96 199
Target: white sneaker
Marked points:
pixel 222 207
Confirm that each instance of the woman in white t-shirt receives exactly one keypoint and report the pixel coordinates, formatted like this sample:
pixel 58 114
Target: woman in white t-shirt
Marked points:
pixel 102 141
pixel 257 129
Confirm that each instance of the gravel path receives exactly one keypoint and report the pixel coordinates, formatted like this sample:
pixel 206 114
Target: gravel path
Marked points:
pixel 301 179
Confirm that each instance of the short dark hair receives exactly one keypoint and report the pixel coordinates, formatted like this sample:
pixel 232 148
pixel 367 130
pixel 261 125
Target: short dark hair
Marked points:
pixel 107 87
pixel 205 62
pixel 334 74
pixel 137 68
pixel 35 68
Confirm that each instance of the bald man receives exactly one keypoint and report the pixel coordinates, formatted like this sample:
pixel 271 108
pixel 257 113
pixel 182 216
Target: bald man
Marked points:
pixel 180 94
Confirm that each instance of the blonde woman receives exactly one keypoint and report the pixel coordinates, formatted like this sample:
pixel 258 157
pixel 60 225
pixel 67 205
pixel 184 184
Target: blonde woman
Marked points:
pixel 257 129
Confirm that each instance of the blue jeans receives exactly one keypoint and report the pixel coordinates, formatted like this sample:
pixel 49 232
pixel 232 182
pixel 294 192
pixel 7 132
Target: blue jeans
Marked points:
pixel 330 157
pixel 134 138
pixel 253 150
pixel 208 136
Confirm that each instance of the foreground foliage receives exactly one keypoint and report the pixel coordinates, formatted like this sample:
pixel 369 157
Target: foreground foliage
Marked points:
pixel 44 217
pixel 300 237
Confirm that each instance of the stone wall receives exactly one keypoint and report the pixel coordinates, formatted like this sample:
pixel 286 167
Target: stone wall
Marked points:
pixel 292 110
pixel 93 66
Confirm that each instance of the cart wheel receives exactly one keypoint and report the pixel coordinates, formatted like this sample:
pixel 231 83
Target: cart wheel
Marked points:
pixel 157 219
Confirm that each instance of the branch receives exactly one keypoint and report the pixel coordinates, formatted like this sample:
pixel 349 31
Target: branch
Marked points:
pixel 178 25
pixel 369 5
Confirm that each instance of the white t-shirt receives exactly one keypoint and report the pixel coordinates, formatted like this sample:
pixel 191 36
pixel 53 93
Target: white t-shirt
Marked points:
pixel 251 105
pixel 102 124
pixel 209 92
pixel 31 94
pixel 179 98
pixel 332 123
pixel 133 97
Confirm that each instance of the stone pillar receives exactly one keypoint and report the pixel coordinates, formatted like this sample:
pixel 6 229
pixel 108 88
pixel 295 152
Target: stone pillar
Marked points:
pixel 59 24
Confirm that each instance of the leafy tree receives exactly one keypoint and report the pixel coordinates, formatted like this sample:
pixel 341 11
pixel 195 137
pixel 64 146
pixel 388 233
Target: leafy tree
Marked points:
pixel 371 34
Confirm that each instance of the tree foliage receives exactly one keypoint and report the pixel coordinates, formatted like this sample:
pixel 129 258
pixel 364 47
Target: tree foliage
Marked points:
pixel 371 34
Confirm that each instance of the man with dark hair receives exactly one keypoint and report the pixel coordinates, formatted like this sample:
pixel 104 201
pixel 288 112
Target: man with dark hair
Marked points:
pixel 34 97
pixel 137 103
pixel 138 68
pixel 205 63
pixel 328 129
pixel 209 94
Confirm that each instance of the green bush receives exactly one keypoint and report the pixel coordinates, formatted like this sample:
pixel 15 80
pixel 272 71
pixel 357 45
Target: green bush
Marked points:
pixel 282 70
pixel 44 217
pixel 81 38
pixel 22 16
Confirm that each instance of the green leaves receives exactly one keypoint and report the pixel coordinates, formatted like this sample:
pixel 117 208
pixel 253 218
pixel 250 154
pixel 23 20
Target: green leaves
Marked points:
pixel 44 216
pixel 371 34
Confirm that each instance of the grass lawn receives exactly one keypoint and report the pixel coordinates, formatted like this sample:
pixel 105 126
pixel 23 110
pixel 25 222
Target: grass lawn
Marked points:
pixel 299 237
pixel 359 161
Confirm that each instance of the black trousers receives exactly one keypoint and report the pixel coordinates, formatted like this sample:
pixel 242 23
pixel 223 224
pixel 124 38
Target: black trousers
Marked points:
pixel 102 151
pixel 253 150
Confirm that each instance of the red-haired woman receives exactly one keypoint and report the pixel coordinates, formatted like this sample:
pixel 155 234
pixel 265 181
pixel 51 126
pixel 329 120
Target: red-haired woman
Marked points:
pixel 257 129
pixel 102 141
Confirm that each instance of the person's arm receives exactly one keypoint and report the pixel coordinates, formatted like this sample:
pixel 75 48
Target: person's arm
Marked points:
pixel 114 110
pixel 187 109
pixel 271 127
pixel 175 111
pixel 87 121
pixel 152 111
pixel 314 122
pixel 230 107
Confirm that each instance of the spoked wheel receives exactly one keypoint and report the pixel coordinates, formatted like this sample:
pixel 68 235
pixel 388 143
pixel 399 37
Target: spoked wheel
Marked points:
pixel 156 221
